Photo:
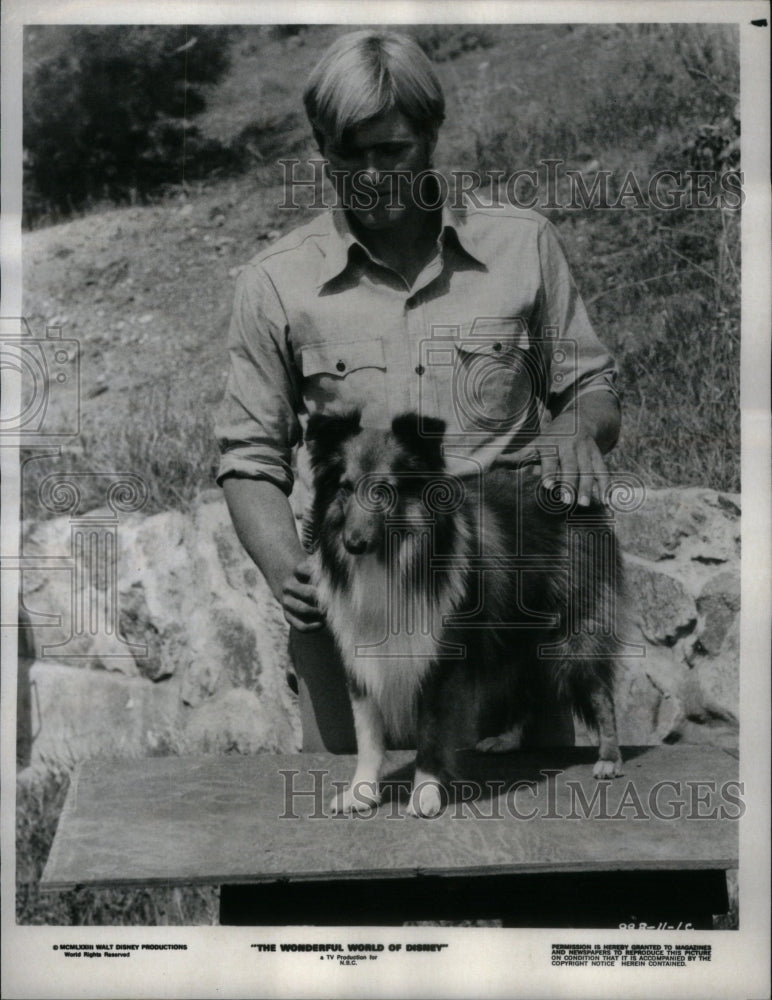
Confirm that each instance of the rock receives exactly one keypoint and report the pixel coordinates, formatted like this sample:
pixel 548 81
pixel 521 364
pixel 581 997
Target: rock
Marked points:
pixel 667 675
pixel 664 609
pixel 648 702
pixel 234 722
pixel 637 701
pixel 137 627
pixel 200 679
pixel 63 604
pixel 683 574
pixel 717 676
pixel 695 524
pixel 711 732
pixel 86 713
pixel 718 603
pixel 190 597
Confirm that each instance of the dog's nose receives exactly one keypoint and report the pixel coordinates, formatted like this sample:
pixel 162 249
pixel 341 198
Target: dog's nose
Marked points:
pixel 354 544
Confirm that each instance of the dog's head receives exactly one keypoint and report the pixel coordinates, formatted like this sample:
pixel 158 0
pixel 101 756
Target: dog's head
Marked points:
pixel 363 475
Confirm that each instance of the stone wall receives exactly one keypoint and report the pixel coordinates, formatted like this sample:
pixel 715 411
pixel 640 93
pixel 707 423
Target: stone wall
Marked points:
pixel 212 676
pixel 682 567
pixel 206 671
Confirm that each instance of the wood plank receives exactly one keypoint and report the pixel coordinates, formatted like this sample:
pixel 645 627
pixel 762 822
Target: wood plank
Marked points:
pixel 231 819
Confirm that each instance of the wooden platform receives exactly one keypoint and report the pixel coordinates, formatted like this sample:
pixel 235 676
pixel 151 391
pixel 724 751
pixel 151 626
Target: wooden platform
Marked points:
pixel 261 826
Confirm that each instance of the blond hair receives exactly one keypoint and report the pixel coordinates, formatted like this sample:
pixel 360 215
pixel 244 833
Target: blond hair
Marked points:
pixel 368 73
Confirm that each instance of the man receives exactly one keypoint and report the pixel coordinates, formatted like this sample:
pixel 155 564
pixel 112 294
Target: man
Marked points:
pixel 393 303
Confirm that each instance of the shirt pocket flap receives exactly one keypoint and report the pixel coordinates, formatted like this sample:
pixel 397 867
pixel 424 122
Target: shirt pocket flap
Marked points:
pixel 340 359
pixel 493 337
pixel 493 348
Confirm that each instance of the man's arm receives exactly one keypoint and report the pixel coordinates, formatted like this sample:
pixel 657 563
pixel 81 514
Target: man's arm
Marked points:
pixel 257 427
pixel 582 402
pixel 265 525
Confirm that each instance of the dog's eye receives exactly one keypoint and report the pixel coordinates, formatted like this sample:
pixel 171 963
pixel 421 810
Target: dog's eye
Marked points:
pixel 376 495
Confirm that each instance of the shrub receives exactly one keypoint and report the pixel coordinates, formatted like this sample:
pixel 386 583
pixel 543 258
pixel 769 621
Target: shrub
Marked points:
pixel 444 42
pixel 107 112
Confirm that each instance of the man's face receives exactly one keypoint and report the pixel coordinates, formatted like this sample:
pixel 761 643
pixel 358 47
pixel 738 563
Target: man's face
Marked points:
pixel 373 165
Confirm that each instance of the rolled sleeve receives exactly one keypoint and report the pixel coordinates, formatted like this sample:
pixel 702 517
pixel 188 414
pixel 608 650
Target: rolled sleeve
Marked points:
pixel 257 424
pixel 578 363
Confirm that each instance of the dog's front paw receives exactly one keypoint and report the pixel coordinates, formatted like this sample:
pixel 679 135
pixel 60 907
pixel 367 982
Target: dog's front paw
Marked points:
pixel 425 799
pixel 607 768
pixel 360 796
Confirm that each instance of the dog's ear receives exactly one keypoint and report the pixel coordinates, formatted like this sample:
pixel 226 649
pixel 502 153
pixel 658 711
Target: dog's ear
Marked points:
pixel 326 431
pixel 421 437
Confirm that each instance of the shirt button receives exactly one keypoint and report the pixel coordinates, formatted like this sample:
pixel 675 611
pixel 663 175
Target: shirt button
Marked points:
pixel 497 347
pixel 341 366
pixel 419 370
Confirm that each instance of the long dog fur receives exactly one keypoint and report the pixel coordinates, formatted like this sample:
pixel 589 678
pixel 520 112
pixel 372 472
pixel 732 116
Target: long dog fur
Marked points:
pixel 434 648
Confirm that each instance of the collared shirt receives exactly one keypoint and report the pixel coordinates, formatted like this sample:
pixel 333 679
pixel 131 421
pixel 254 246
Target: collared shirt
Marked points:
pixel 492 338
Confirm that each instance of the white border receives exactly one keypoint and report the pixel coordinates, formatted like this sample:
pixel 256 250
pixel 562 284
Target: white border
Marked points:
pixel 492 963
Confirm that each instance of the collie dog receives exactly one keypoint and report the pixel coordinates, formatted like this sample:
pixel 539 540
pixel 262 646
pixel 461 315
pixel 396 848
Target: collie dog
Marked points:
pixel 454 600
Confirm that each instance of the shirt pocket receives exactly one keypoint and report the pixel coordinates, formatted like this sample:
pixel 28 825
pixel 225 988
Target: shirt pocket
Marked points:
pixel 351 374
pixel 498 379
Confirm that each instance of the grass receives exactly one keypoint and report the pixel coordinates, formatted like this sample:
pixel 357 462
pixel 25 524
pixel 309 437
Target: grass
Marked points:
pixel 175 457
pixel 39 801
pixel 676 334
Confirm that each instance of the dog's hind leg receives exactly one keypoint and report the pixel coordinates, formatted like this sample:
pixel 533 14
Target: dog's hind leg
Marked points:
pixel 363 792
pixel 609 763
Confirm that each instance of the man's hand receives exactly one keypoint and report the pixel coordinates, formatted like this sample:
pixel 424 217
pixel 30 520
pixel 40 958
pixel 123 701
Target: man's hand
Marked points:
pixel 571 449
pixel 574 463
pixel 264 522
pixel 299 600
